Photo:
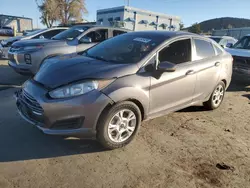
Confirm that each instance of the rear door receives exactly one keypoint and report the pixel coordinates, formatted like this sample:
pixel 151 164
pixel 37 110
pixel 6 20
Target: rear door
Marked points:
pixel 208 67
pixel 96 37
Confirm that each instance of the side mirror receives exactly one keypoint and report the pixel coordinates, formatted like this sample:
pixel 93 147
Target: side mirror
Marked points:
pixel 166 66
pixel 41 37
pixel 86 40
pixel 229 45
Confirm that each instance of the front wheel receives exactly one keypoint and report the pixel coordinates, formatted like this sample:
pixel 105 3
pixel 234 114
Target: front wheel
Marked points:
pixel 117 127
pixel 217 97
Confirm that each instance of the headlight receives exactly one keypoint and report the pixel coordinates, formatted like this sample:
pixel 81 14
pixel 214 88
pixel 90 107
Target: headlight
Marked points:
pixel 32 47
pixel 4 43
pixel 79 88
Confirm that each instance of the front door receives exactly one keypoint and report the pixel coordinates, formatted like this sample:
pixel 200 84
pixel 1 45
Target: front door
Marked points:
pixel 174 90
pixel 96 36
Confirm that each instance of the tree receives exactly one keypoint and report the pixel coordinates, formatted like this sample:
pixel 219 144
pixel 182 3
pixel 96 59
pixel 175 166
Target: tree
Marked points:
pixel 181 25
pixel 49 10
pixel 71 10
pixel 63 11
pixel 195 28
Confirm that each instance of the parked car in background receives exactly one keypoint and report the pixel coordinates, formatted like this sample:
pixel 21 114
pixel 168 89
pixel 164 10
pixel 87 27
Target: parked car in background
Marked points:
pixel 241 55
pixel 26 32
pixel 107 91
pixel 38 34
pixel 6 31
pixel 224 40
pixel 27 56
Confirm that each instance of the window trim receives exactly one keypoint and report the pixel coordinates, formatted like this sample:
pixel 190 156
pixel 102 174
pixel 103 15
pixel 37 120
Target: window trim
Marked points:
pixel 195 52
pixel 169 43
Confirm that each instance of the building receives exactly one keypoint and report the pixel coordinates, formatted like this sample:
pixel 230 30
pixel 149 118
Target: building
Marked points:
pixel 234 32
pixel 136 19
pixel 19 23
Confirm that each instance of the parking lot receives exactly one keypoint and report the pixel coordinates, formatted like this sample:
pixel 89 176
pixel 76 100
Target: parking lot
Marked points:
pixel 192 147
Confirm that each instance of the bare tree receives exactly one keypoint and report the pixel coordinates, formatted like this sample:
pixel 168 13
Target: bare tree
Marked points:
pixel 71 10
pixel 49 10
pixel 63 11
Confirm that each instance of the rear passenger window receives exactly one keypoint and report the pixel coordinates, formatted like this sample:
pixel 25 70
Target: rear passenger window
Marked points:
pixel 117 32
pixel 177 52
pixel 204 49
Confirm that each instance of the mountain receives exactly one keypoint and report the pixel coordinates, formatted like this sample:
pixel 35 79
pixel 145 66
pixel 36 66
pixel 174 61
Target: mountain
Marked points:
pixel 223 23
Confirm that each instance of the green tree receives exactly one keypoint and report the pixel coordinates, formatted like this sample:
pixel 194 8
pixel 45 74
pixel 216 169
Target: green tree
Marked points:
pixel 195 28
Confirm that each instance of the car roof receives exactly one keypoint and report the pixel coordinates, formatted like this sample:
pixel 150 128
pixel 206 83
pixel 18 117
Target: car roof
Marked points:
pixel 164 34
pixel 101 27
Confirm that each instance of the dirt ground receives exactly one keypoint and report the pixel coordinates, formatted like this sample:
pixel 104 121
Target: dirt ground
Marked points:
pixel 190 148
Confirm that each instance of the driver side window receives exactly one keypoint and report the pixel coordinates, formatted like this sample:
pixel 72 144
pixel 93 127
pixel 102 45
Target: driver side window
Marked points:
pixel 177 52
pixel 98 35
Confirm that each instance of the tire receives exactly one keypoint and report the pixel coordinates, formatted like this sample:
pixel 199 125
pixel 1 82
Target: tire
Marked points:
pixel 211 103
pixel 110 126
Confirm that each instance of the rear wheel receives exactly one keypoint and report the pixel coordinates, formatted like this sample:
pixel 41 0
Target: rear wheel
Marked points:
pixel 118 126
pixel 217 97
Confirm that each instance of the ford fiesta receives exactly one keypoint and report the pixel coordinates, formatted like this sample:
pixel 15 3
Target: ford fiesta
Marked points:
pixel 109 89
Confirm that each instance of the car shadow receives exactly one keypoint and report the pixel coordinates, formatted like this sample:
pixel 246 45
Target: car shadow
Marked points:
pixel 239 83
pixel 27 143
pixel 9 77
pixel 194 109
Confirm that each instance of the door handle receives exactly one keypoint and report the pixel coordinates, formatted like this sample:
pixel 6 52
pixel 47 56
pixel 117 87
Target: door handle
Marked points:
pixel 190 72
pixel 217 64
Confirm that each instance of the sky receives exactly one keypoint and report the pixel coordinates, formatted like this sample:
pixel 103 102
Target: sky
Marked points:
pixel 190 11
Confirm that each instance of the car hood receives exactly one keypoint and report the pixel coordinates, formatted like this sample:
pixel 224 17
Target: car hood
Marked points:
pixel 34 42
pixel 13 39
pixel 238 52
pixel 57 72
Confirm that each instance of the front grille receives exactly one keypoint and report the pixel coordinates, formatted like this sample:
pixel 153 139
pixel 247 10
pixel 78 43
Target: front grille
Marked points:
pixel 31 102
pixel 29 107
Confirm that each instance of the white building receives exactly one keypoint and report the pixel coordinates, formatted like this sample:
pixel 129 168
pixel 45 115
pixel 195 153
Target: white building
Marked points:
pixel 136 19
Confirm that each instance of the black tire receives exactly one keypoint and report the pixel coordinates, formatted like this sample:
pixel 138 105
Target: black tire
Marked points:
pixel 210 105
pixel 103 122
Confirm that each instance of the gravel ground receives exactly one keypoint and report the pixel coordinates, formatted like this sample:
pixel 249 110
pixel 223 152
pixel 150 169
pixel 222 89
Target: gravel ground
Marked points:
pixel 189 148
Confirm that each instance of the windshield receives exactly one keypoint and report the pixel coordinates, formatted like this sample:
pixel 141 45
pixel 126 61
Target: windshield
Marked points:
pixel 34 32
pixel 128 48
pixel 70 34
pixel 216 39
pixel 243 43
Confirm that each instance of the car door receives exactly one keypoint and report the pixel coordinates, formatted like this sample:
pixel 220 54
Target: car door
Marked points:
pixel 95 36
pixel 174 90
pixel 208 67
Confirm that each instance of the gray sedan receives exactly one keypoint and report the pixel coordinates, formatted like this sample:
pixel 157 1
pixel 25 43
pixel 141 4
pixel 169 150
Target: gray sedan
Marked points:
pixel 109 89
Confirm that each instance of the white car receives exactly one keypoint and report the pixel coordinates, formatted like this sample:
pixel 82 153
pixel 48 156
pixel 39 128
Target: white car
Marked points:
pixel 241 54
pixel 224 41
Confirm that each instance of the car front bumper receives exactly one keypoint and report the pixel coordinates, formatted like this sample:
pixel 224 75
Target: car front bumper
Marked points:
pixel 23 69
pixel 77 116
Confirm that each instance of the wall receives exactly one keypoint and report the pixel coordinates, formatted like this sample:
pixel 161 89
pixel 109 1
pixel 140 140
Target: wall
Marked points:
pixel 126 13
